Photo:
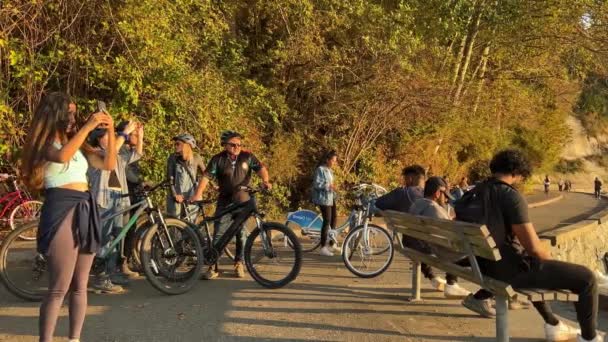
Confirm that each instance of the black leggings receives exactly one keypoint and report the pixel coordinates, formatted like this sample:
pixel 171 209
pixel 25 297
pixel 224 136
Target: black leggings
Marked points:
pixel 329 220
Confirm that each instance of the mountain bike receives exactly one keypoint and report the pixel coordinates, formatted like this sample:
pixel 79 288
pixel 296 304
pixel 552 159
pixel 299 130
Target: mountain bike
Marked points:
pixel 177 267
pixel 18 206
pixel 273 255
pixel 195 214
pixel 307 224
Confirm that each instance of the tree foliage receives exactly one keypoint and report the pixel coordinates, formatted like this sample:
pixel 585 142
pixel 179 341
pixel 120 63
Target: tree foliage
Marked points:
pixel 385 82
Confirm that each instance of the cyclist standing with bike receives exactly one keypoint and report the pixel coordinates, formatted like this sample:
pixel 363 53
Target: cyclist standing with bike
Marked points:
pixel 110 186
pixel 231 169
pixel 183 167
pixel 69 234
pixel 324 195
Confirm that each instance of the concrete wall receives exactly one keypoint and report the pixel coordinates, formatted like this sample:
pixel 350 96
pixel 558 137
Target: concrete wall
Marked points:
pixel 584 242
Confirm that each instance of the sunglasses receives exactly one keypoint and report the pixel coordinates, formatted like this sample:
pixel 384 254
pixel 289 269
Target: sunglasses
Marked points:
pixel 233 145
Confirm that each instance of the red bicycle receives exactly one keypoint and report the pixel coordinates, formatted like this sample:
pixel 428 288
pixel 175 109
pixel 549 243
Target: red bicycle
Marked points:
pixel 18 207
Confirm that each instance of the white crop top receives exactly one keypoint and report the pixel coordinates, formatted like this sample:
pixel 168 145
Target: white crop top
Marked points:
pixel 74 171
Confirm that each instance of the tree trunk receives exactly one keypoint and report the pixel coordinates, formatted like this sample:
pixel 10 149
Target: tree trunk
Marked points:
pixel 472 35
pixel 482 77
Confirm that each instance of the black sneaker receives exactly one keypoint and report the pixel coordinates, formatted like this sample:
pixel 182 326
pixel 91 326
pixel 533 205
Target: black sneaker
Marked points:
pixel 119 279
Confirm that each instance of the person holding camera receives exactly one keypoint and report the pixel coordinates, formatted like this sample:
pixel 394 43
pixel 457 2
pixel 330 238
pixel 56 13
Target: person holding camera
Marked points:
pixel 55 160
pixel 109 186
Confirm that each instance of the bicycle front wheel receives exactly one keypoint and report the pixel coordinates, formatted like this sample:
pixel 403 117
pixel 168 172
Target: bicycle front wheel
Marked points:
pixel 22 269
pixel 368 252
pixel 171 257
pixel 23 213
pixel 273 255
pixel 310 239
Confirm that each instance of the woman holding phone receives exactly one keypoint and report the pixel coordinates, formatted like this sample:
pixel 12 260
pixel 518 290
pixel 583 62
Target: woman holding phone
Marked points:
pixel 56 160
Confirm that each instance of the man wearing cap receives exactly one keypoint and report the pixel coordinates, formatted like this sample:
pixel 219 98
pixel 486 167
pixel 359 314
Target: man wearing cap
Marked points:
pixel 183 167
pixel 433 205
pixel 231 169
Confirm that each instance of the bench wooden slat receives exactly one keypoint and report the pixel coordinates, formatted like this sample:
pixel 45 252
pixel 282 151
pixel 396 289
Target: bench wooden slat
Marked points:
pixel 567 296
pixel 488 253
pixel 471 229
pixel 486 242
pixel 493 285
pixel 530 295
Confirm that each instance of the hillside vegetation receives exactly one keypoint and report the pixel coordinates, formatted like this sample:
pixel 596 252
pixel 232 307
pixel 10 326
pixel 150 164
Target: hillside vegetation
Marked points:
pixel 443 83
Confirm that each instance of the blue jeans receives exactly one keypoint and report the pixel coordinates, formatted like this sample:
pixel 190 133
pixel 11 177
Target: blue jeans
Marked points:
pixel 222 225
pixel 110 229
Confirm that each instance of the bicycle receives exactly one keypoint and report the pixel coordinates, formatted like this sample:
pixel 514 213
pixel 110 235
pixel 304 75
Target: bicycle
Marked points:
pixel 308 224
pixel 196 217
pixel 18 206
pixel 368 248
pixel 25 276
pixel 261 244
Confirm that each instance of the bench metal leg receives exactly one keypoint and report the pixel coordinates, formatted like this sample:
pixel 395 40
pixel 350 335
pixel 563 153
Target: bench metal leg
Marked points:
pixel 502 319
pixel 416 278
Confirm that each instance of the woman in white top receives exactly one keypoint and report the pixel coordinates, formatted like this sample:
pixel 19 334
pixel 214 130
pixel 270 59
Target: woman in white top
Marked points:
pixel 56 160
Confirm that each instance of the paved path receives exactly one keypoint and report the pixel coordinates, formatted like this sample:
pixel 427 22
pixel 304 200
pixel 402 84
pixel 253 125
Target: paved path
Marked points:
pixel 572 208
pixel 326 303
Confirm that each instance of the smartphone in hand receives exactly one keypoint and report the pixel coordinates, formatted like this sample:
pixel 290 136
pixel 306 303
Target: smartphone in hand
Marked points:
pixel 101 107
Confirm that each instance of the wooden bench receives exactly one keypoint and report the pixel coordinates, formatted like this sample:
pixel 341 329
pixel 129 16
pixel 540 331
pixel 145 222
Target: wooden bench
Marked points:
pixel 472 240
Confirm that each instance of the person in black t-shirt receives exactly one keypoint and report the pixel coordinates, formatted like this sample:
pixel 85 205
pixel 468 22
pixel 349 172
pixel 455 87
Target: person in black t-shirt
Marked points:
pixel 231 169
pixel 525 262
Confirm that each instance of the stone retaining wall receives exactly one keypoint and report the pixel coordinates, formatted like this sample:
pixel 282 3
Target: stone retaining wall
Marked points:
pixel 584 242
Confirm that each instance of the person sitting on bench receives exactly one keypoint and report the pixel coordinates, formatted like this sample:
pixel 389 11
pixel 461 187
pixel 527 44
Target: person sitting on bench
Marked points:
pixel 525 262
pixel 433 204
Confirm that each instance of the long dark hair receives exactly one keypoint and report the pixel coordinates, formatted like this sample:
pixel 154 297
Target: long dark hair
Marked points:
pixel 327 157
pixel 51 118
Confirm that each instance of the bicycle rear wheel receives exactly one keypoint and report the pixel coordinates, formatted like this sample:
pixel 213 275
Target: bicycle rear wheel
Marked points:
pixel 22 268
pixel 23 213
pixel 172 269
pixel 367 253
pixel 277 261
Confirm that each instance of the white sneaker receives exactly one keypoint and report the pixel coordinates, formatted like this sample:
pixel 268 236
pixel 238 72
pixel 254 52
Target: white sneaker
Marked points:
pixel 598 338
pixel 560 332
pixel 438 283
pixel 325 251
pixel 455 292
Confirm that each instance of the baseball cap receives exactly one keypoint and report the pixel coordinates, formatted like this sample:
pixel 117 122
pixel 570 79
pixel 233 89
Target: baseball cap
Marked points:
pixel 433 184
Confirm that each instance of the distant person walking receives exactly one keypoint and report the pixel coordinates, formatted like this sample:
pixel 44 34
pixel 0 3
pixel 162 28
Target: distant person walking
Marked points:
pixel 547 184
pixel 324 195
pixel 597 183
pixel 560 185
pixel 56 159
pixel 568 185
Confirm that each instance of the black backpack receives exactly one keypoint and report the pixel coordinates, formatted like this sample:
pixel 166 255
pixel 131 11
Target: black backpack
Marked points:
pixel 480 205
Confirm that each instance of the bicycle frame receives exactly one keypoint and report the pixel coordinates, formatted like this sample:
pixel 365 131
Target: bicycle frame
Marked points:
pixel 107 219
pixel 17 195
pixel 241 212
